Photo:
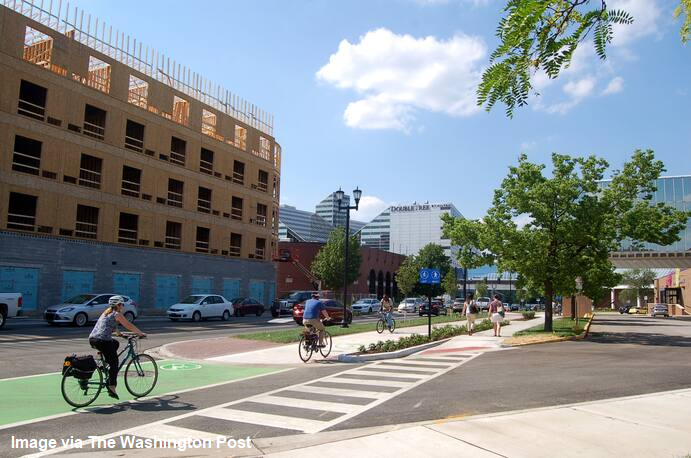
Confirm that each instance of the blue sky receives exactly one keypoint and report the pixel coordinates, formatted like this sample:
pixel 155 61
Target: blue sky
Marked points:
pixel 380 93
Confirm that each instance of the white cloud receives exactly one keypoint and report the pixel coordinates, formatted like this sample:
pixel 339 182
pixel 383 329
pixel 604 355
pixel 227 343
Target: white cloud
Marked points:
pixel 522 219
pixel 646 14
pixel 581 88
pixel 369 208
pixel 615 85
pixel 527 146
pixel 397 75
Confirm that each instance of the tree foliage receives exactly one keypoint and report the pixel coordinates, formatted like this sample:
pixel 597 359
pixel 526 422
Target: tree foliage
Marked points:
pixel 430 256
pixel 575 221
pixel 481 289
pixel 449 283
pixel 638 281
pixel 542 35
pixel 329 262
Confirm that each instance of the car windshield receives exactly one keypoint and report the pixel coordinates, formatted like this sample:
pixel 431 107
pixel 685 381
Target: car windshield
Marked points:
pixel 237 300
pixel 80 299
pixel 191 299
pixel 286 296
pixel 409 301
pixel 295 296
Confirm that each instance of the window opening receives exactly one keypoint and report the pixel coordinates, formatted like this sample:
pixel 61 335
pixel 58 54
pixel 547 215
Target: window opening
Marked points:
pixel 175 189
pixel 38 47
pixel 261 214
pixel 206 162
pixel 94 122
pixel 134 136
pixel 204 200
pixel 235 244
pixel 236 208
pixel 260 248
pixel 87 222
pixel 238 172
pixel 178 148
pixel 21 212
pixel 202 244
pixel 99 75
pixel 32 100
pixel 208 123
pixel 181 110
pixel 138 92
pixel 90 171
pixel 131 181
pixel 173 235
pixel 240 137
pixel 27 155
pixel 264 148
pixel 128 228
pixel 263 180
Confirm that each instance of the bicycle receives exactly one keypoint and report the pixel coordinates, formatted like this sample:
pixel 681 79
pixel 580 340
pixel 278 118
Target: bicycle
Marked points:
pixel 309 343
pixel 141 374
pixel 383 323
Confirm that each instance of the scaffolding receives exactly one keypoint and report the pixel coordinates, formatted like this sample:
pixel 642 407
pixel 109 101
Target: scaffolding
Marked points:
pixel 75 24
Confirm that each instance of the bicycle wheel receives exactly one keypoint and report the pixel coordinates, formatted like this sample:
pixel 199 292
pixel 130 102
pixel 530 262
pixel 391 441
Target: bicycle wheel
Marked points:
pixel 305 348
pixel 380 326
pixel 393 325
pixel 326 349
pixel 141 374
pixel 80 392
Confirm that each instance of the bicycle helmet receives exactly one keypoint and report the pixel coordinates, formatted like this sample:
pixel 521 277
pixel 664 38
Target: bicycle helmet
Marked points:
pixel 115 301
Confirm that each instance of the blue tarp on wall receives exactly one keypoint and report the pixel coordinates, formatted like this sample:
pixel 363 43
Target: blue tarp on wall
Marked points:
pixel 21 280
pixel 167 291
pixel 76 282
pixel 257 290
pixel 231 288
pixel 201 285
pixel 127 285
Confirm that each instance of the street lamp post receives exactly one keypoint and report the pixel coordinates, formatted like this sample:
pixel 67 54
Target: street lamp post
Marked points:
pixel 357 193
pixel 579 287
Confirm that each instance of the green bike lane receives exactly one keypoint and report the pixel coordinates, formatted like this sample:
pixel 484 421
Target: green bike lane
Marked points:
pixel 26 399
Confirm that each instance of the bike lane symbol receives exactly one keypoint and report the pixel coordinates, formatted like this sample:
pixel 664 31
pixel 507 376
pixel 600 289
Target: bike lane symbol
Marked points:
pixel 180 366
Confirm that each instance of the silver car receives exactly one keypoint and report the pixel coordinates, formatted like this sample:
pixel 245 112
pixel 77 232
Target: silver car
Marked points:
pixel 660 310
pixel 81 309
pixel 366 306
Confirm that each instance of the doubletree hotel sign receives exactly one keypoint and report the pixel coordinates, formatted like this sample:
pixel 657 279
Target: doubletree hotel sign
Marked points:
pixel 419 207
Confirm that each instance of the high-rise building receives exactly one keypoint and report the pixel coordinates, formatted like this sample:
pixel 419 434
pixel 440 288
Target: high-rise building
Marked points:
pixel 121 172
pixel 328 210
pixel 414 226
pixel 302 226
pixel 377 233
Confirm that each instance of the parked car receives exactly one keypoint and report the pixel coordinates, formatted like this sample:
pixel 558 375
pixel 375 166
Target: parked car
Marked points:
pixel 633 310
pixel 366 306
pixel 10 306
pixel 483 303
pixel 285 303
pixel 660 309
pixel 457 306
pixel 81 309
pixel 334 307
pixel 512 307
pixel 410 304
pixel 624 309
pixel 246 305
pixel 197 307
pixel 438 308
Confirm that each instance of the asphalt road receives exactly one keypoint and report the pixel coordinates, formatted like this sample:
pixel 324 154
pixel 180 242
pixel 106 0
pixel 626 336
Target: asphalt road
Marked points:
pixel 624 356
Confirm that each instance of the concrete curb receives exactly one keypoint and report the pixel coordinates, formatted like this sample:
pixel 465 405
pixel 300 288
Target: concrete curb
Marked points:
pixel 352 358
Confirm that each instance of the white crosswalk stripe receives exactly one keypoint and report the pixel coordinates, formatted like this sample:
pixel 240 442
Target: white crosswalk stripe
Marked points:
pixel 329 400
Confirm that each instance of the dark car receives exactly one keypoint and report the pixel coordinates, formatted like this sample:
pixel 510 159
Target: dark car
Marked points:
pixel 624 309
pixel 334 307
pixel 438 308
pixel 246 305
pixel 285 303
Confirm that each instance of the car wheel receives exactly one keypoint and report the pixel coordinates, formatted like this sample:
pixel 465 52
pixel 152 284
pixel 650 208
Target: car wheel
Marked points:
pixel 80 319
pixel 129 316
pixel 3 319
pixel 369 310
pixel 196 316
pixel 226 315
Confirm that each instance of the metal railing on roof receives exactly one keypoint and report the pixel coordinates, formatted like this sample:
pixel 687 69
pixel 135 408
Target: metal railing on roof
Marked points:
pixel 93 33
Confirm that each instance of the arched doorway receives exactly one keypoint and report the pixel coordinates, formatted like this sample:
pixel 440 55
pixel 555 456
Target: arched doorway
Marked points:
pixel 372 282
pixel 387 286
pixel 380 284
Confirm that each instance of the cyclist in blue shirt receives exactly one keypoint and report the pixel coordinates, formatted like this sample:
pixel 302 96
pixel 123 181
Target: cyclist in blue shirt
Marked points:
pixel 313 309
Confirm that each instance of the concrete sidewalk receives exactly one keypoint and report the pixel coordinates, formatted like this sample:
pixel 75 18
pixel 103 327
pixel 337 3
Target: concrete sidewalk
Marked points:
pixel 653 425
pixel 277 354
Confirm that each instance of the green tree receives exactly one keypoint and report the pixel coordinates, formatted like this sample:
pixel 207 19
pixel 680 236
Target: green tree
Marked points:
pixel 329 262
pixel 407 276
pixel 575 221
pixel 481 289
pixel 431 256
pixel 450 284
pixel 542 35
pixel 639 281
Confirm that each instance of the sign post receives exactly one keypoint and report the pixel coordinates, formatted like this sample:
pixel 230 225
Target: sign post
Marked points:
pixel 430 277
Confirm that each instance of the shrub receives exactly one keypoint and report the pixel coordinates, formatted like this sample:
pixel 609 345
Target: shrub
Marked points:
pixel 528 315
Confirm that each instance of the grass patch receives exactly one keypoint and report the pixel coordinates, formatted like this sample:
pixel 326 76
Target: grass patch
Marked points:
pixel 293 335
pixel 562 327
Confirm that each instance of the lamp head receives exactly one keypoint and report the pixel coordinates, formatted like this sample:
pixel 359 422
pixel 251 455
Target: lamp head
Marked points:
pixel 339 196
pixel 357 193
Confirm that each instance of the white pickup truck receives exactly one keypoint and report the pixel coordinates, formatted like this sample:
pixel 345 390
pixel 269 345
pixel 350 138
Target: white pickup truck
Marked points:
pixel 10 306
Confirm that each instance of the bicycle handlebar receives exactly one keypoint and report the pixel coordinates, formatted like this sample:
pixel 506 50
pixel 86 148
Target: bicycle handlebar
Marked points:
pixel 131 335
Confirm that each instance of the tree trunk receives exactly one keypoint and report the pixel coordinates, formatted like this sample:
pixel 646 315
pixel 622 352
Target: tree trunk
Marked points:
pixel 549 297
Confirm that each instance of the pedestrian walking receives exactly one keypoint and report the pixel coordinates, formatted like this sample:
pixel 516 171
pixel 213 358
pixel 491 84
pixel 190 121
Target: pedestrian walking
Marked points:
pixel 470 310
pixel 496 313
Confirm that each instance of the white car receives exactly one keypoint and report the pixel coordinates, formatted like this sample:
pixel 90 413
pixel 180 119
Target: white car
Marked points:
pixel 366 306
pixel 483 303
pixel 81 309
pixel 410 304
pixel 197 307
pixel 10 306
